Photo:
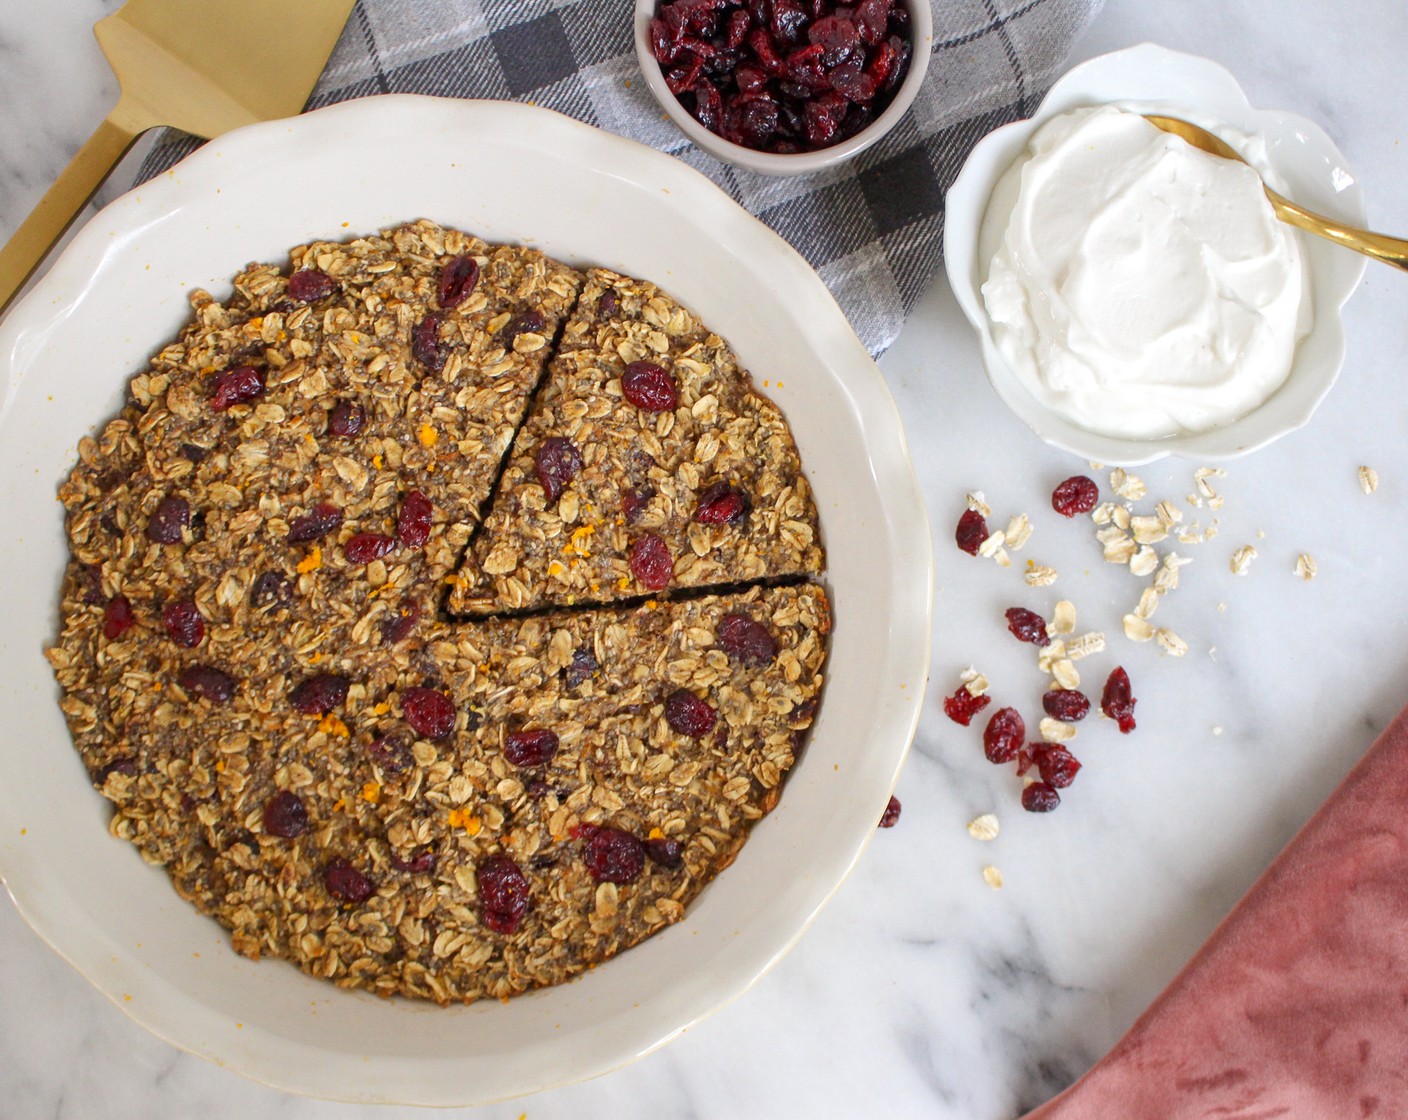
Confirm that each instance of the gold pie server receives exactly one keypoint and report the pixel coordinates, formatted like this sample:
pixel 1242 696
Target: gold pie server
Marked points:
pixel 203 66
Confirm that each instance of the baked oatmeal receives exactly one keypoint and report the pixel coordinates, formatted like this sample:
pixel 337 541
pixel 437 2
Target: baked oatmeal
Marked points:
pixel 648 463
pixel 257 670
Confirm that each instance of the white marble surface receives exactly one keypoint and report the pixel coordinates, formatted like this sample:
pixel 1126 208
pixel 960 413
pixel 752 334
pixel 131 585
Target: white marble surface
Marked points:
pixel 921 992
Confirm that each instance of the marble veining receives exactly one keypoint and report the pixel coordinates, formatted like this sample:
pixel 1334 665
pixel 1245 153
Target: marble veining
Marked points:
pixel 920 991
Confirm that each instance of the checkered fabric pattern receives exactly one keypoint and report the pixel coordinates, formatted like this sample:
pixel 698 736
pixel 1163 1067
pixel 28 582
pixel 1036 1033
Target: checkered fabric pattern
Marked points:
pixel 873 228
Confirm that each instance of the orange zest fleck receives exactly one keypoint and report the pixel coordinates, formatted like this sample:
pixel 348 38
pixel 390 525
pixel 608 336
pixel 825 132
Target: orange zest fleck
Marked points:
pixel 219 765
pixel 377 461
pixel 371 792
pixel 655 834
pixel 331 725
pixel 340 805
pixel 382 708
pixel 428 436
pixel 463 818
pixel 312 562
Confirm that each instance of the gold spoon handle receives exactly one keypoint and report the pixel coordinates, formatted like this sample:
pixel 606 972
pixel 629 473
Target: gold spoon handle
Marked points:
pixel 61 204
pixel 1380 246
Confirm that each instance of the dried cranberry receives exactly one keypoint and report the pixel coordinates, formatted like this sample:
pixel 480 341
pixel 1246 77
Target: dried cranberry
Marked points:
pixel 722 504
pixel 88 584
pixel 972 531
pixel 1004 735
pixel 1039 797
pixel 363 548
pixel 285 815
pixel 746 640
pixel 269 588
pixel 425 343
pixel 413 522
pixel 789 20
pixel 891 816
pixel 183 622
pixel 651 388
pixel 422 862
pixel 319 695
pixel 397 626
pixel 582 667
pixel 346 420
pixel 557 462
pixel 708 104
pixel 1058 766
pixel 345 883
pixel 852 82
pixel 837 36
pixel 651 562
pixel 194 452
pixel 168 519
pixel 237 386
pixel 209 682
pixel 1027 626
pixel 962 706
pixel 633 503
pixel 117 617
pixel 613 856
pixel 309 284
pixel 606 306
pixel 503 892
pixel 457 280
pixel 391 754
pixel 872 20
pixel 822 117
pixel 530 748
pixel 1117 701
pixel 429 712
pixel 126 766
pixel 525 322
pixel 317 523
pixel 664 851
pixel 1077 494
pixel 1065 704
pixel 688 715
pixel 1026 759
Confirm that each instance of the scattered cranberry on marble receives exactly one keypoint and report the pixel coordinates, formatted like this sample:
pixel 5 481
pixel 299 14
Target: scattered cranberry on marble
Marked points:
pixel 891 816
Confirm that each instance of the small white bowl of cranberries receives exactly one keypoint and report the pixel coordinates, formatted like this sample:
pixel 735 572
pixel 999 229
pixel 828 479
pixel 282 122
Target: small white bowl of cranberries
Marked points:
pixel 784 87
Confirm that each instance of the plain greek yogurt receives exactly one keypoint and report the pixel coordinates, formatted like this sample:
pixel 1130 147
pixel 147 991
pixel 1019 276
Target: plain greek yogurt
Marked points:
pixel 1138 287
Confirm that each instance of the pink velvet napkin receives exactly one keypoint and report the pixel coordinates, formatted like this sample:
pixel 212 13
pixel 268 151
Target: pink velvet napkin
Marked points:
pixel 1297 1006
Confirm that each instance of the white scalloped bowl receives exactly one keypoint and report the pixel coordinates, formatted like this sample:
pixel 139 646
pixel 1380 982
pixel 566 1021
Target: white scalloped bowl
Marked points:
pixel 1298 150
pixel 514 173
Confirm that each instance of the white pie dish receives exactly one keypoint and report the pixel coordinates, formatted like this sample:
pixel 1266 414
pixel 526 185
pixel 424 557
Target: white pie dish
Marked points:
pixel 506 172
pixel 1205 93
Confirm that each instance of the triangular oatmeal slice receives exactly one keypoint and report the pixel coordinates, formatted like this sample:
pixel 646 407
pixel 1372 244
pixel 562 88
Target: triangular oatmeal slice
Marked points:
pixel 649 463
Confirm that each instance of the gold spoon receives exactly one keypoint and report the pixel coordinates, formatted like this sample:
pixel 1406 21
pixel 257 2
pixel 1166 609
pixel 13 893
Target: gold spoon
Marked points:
pixel 1390 250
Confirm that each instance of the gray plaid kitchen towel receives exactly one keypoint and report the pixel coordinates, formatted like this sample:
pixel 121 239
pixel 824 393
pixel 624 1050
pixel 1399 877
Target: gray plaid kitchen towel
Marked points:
pixel 873 228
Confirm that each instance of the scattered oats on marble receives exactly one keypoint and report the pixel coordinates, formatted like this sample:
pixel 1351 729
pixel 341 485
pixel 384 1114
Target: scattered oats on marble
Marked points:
pixel 1065 674
pixel 1085 645
pixel 978 505
pixel 1306 567
pixel 973 681
pixel 1144 561
pixel 1368 479
pixel 1056 731
pixel 1063 618
pixel 1137 628
pixel 992 877
pixel 1170 642
pixel 1018 532
pixel 984 827
pixel 1241 560
pixel 1039 575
